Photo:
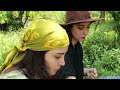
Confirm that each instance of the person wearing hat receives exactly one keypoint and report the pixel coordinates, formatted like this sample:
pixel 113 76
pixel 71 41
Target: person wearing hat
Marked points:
pixel 77 27
pixel 40 54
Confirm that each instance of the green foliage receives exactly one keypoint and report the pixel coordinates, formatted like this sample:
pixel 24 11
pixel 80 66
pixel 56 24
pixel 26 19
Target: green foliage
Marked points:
pixel 57 16
pixel 11 20
pixel 116 21
pixel 16 20
pixel 101 50
pixel 95 14
pixel 3 17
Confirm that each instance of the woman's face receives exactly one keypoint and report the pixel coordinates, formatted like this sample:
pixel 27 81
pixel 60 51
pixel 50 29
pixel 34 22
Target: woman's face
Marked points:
pixel 54 60
pixel 80 31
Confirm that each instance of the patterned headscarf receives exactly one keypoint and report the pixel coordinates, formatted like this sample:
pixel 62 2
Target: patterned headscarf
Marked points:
pixel 41 35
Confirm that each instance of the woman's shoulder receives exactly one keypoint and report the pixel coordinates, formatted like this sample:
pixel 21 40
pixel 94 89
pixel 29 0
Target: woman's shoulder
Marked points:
pixel 15 74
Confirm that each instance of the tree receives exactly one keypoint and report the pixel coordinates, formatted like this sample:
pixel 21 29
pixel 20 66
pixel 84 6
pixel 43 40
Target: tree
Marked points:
pixel 13 20
pixel 116 16
pixel 102 15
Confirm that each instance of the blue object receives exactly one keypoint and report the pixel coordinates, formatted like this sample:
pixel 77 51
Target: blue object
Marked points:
pixel 110 77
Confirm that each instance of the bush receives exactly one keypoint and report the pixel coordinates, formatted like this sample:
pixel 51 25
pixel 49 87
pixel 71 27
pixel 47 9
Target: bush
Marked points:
pixel 101 52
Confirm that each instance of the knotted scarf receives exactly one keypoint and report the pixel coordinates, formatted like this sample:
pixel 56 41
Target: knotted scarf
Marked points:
pixel 41 35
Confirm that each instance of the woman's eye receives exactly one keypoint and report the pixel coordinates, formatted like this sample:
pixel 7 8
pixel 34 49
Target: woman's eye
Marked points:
pixel 81 28
pixel 88 27
pixel 57 57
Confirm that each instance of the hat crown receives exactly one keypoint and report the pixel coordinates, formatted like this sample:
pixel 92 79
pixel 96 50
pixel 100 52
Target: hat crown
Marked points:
pixel 72 16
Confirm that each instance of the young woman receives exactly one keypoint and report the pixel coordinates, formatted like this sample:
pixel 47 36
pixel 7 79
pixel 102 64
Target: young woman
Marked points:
pixel 40 55
pixel 77 27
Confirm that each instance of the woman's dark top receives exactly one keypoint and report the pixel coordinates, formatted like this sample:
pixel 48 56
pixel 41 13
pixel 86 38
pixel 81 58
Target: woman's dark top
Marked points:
pixel 73 63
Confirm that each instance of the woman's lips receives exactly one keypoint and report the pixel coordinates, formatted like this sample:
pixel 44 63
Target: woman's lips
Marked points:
pixel 83 37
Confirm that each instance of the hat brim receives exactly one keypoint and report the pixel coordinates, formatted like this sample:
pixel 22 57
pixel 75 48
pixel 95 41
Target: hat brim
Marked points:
pixel 80 21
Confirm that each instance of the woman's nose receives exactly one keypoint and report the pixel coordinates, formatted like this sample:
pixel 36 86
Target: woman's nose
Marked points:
pixel 85 31
pixel 62 62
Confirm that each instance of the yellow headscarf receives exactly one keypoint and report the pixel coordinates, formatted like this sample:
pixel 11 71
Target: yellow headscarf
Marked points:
pixel 41 35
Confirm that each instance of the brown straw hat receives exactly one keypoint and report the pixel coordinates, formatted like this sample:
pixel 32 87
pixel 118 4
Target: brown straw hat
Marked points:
pixel 73 17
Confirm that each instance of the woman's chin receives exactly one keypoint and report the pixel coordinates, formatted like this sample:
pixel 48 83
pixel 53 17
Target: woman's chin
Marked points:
pixel 52 73
pixel 81 40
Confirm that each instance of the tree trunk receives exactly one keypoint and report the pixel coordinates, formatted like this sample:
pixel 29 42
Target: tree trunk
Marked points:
pixel 102 15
